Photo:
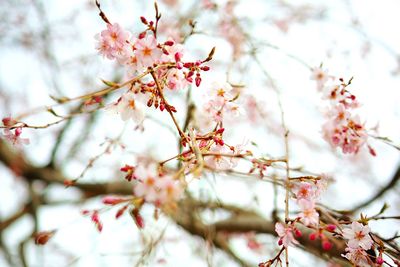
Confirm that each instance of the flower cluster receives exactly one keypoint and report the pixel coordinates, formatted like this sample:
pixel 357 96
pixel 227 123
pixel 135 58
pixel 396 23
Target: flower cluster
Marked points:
pixel 306 195
pixel 155 187
pixel 342 128
pixel 358 242
pixel 164 60
pixel 220 104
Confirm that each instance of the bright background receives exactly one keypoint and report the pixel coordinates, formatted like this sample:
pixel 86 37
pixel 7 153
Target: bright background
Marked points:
pixel 47 48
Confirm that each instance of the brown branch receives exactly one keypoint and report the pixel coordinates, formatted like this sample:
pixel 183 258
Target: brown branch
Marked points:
pixel 6 223
pixel 242 220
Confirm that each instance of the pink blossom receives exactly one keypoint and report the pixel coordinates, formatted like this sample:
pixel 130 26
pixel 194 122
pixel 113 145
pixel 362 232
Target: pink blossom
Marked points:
pixel 14 137
pixel 220 93
pixel 147 52
pixel 321 76
pixel 350 134
pixel 176 79
pixel 175 51
pixel 358 257
pixel 146 188
pixel 154 188
pixel 169 188
pixel 304 190
pixel 358 236
pixel 128 107
pixel 113 41
pixel 285 233
pixel 309 216
pixel 219 161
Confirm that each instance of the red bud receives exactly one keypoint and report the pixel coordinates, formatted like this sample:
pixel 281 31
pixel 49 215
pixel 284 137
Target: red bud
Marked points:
pixel 326 245
pixel 144 20
pixel 42 238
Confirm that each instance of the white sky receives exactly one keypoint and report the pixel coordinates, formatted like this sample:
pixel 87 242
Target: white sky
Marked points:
pixel 332 40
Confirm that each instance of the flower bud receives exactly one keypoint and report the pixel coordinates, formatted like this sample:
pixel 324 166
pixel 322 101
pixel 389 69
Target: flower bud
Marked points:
pixel 144 20
pixel 326 245
pixel 42 238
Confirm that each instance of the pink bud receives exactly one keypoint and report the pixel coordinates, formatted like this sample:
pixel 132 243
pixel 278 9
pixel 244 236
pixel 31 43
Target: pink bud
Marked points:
pixel 372 151
pixel 280 242
pixel 110 200
pixel 142 35
pixel 379 260
pixel 220 131
pixel 85 212
pixel 99 226
pixel 198 81
pixel 18 132
pixel 312 236
pixel 138 218
pixel 178 57
pixel 169 43
pixel 190 74
pixel 150 102
pixel 8 122
pixel 326 245
pixel 126 168
pixel 205 68
pixel 298 233
pixel 144 20
pixel 121 211
pixel 162 106
pixel 188 65
pixel 330 227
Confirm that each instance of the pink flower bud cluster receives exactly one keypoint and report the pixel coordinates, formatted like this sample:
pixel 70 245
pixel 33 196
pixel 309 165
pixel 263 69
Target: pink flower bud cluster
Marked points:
pixel 13 135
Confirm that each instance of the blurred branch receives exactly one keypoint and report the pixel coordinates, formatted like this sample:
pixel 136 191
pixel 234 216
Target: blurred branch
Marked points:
pixel 4 224
pixel 390 185
pixel 242 220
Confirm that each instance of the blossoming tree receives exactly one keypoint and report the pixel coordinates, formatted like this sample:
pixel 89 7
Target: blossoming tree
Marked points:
pixel 199 127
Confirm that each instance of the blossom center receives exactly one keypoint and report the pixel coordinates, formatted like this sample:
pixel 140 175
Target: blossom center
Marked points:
pixel 131 104
pixel 147 51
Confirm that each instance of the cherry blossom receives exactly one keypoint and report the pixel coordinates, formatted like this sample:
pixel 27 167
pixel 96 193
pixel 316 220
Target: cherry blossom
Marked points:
pixel 285 233
pixel 14 137
pixel 304 190
pixel 128 107
pixel 147 52
pixel 350 135
pixel 155 188
pixel 321 76
pixel 112 41
pixel 169 189
pixel 219 161
pixel 176 80
pixel 308 216
pixel 358 256
pixel 358 236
